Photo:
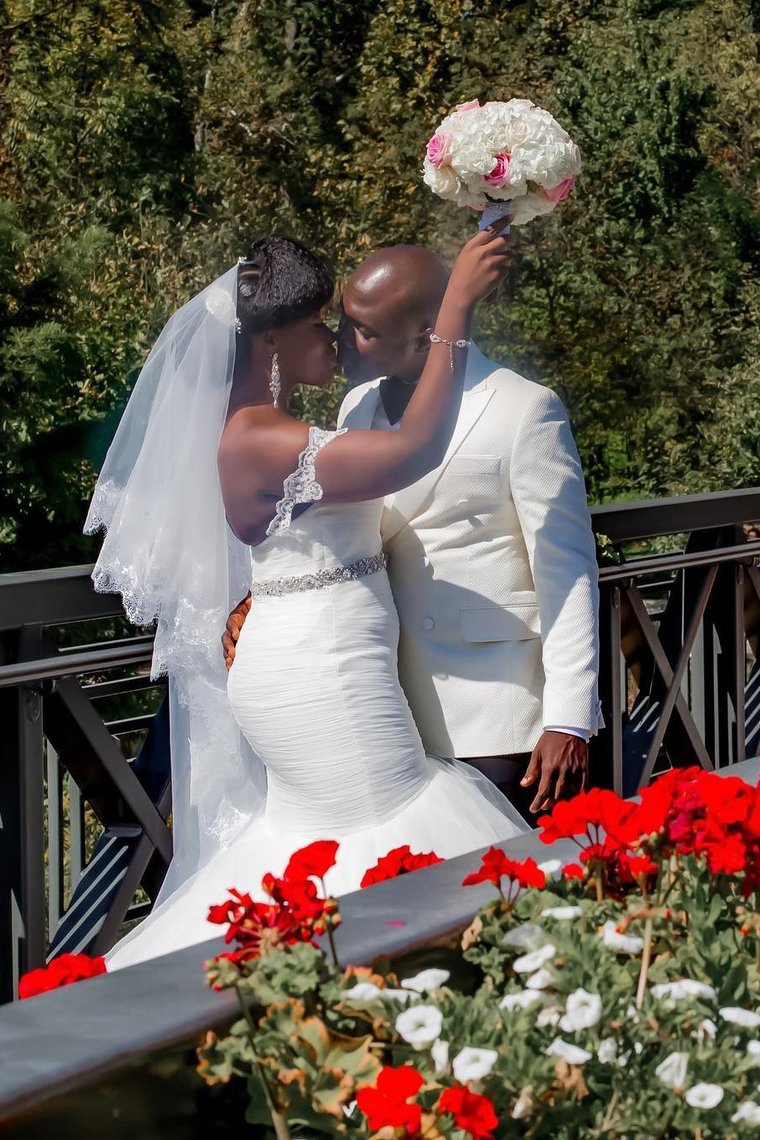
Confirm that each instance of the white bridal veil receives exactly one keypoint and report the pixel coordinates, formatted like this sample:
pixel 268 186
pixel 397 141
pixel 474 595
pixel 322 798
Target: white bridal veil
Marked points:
pixel 170 553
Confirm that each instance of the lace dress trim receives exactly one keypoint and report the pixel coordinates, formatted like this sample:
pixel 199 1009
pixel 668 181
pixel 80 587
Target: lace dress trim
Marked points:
pixel 302 485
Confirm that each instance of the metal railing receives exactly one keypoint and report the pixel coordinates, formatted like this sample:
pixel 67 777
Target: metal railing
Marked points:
pixel 84 788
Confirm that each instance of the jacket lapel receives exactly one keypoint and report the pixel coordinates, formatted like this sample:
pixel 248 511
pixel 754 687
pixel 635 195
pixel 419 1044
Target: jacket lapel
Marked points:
pixel 405 504
pixel 362 413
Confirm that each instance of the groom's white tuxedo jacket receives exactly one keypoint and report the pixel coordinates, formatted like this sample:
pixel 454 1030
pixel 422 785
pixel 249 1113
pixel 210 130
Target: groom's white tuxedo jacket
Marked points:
pixel 493 568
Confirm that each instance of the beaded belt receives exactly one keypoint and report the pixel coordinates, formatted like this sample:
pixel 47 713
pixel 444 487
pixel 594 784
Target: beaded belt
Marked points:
pixel 276 587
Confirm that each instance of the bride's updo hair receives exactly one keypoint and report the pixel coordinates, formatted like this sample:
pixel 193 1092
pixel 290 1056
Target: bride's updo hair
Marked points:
pixel 280 281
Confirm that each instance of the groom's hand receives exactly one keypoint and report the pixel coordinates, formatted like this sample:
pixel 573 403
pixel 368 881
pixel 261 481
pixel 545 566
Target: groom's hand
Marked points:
pixel 560 764
pixel 231 634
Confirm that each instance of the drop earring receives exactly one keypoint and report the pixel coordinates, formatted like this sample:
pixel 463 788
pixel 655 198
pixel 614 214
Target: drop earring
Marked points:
pixel 275 386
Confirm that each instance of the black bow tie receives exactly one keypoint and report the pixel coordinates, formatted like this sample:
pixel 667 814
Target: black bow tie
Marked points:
pixel 395 396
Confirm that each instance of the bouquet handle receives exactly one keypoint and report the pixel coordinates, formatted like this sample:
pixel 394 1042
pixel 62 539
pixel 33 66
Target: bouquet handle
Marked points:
pixel 492 212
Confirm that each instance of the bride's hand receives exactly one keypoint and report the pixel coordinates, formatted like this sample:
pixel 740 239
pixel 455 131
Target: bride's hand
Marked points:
pixel 481 265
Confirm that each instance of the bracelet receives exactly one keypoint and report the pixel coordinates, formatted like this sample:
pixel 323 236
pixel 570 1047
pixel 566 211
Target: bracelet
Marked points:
pixel 452 344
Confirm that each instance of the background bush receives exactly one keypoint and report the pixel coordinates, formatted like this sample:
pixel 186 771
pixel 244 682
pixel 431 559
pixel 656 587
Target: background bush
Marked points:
pixel 144 142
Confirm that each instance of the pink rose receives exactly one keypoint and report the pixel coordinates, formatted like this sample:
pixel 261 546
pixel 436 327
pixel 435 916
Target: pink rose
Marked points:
pixel 500 173
pixel 560 192
pixel 439 150
pixel 471 106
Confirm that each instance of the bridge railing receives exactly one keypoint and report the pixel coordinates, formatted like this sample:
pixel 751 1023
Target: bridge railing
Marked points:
pixel 84 776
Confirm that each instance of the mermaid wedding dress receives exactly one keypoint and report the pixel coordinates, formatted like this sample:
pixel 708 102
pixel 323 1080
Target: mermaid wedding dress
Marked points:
pixel 314 688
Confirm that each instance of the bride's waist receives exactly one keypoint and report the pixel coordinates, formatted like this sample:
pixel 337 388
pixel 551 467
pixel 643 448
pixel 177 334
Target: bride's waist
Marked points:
pixel 318 577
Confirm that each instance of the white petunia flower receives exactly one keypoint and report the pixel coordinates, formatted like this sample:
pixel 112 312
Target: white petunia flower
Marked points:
pixel 420 1025
pixel 552 868
pixel 521 1000
pixel 529 936
pixel 398 995
pixel 706 1030
pixel 549 1015
pixel 703 1095
pixel 626 943
pixel 540 980
pixel 572 1054
pixel 439 1051
pixel 472 1064
pixel 523 1105
pixel 528 963
pixel 672 1071
pixel 753 1049
pixel 582 1011
pixel 684 988
pixel 563 913
pixel 363 991
pixel 426 980
pixel 747 1112
pixel 607 1053
pixel 746 1018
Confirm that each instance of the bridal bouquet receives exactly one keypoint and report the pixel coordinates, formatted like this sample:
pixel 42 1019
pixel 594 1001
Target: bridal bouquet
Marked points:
pixel 502 158
pixel 618 996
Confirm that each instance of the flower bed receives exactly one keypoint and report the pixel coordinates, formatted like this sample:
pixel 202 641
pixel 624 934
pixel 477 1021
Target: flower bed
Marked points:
pixel 616 997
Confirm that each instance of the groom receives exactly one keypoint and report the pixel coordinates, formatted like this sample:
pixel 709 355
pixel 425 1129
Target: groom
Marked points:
pixel 491 556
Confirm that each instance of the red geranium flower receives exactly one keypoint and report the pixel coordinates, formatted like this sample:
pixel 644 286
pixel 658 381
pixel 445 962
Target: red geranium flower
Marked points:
pixel 472 1113
pixel 258 926
pixel 495 865
pixel 399 861
pixel 312 861
pixel 62 971
pixel 585 815
pixel 386 1105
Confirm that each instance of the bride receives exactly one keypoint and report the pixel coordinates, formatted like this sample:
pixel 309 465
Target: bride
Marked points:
pixel 210 488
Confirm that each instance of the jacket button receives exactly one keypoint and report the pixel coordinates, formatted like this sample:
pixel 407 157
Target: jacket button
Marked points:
pixel 428 623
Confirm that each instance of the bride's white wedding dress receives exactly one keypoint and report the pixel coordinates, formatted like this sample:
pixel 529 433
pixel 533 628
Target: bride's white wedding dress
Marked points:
pixel 315 689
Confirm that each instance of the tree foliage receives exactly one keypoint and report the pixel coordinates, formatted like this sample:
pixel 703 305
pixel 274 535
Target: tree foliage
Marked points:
pixel 144 142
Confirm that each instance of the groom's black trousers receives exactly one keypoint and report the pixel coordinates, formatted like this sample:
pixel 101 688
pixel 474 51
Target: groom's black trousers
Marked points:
pixel 506 772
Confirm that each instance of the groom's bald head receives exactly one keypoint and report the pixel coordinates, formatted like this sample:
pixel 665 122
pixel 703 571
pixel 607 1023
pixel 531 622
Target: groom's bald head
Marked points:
pixel 390 304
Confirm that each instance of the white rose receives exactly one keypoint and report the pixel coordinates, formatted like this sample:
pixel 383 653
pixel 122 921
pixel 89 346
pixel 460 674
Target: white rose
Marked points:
pixel 572 1054
pixel 472 1064
pixel 426 980
pixel 527 963
pixel 748 1112
pixel 420 1025
pixel 672 1071
pixel 562 913
pixel 439 1051
pixel 734 1014
pixel 704 1095
pixel 582 1011
pixel 529 936
pixel 441 180
pixel 626 943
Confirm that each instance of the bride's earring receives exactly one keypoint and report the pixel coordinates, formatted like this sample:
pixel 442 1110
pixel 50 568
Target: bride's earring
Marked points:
pixel 274 384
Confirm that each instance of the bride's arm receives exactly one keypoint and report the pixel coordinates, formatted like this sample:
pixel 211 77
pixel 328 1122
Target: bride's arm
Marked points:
pixel 368 464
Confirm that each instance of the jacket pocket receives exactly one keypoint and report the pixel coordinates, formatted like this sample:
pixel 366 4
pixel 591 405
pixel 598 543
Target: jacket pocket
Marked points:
pixel 475 464
pixel 517 620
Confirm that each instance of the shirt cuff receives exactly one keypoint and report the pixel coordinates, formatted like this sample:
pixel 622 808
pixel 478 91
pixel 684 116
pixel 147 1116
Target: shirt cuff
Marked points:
pixel 581 732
